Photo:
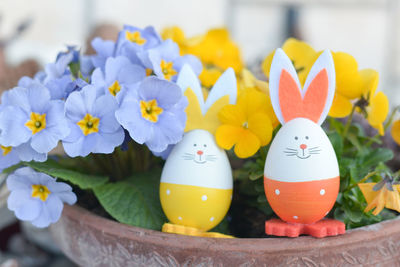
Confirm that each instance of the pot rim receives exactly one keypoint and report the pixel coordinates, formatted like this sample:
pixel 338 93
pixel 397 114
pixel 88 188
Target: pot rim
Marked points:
pixel 243 245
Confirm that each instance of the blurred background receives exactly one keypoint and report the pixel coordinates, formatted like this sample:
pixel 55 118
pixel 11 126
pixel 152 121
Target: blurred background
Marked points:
pixel 367 29
pixel 33 32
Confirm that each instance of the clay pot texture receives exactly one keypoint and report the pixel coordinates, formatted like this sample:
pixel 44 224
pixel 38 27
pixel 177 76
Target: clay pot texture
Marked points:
pixel 90 240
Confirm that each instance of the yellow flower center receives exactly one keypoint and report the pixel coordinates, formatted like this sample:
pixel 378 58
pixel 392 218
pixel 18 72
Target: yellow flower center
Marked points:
pixel 36 123
pixel 150 110
pixel 89 124
pixel 114 88
pixel 149 72
pixel 135 37
pixel 6 149
pixel 167 69
pixel 40 191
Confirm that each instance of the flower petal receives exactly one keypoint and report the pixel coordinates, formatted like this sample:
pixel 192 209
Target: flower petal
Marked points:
pixel 247 145
pixel 378 111
pixel 228 135
pixel 260 125
pixel 12 126
pixel 233 115
pixel 25 207
pixel 396 131
pixel 341 107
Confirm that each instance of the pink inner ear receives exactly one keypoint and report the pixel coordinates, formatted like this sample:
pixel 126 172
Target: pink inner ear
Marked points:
pixel 315 99
pixel 290 99
pixel 294 106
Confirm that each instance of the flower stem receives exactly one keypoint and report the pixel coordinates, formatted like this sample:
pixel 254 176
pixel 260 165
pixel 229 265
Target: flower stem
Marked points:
pixel 348 123
pixel 369 175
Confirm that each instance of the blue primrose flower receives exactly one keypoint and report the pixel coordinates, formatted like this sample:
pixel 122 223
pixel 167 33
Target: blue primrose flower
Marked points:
pixel 28 117
pixel 119 75
pixel 154 114
pixel 166 62
pixel 132 40
pixel 58 77
pixel 8 157
pixel 104 49
pixel 37 197
pixel 91 119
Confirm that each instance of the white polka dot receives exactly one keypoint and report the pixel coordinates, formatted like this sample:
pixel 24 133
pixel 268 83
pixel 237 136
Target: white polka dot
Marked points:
pixel 211 219
pixel 204 198
pixel 295 217
pixel 180 218
pixel 322 192
pixel 277 192
pixel 168 191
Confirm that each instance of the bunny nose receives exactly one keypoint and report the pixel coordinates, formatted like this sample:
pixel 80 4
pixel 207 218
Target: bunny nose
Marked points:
pixel 200 152
pixel 303 146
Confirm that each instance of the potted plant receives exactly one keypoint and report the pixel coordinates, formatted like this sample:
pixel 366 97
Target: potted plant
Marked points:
pixel 118 112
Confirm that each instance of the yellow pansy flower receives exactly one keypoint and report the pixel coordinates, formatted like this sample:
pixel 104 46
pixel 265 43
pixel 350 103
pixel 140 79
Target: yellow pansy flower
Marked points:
pixel 350 83
pixel 216 48
pixel 209 76
pixel 381 195
pixel 174 33
pixel 302 55
pixel 377 104
pixel 245 125
pixel 396 131
pixel 248 81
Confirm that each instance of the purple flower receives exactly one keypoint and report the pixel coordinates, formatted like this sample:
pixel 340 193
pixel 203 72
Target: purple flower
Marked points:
pixel 119 75
pixel 166 62
pixel 154 114
pixel 91 119
pixel 29 116
pixel 37 197
pixel 59 68
pixel 164 154
pixel 8 157
pixel 104 49
pixel 132 40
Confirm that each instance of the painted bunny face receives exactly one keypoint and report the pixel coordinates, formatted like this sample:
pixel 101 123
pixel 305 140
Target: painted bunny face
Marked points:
pixel 198 161
pixel 301 152
pixel 200 149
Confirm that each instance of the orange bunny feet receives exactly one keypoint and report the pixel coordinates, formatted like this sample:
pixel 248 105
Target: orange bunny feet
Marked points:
pixel 322 228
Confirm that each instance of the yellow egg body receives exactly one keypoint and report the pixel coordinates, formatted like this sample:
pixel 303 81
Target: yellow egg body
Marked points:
pixel 196 183
pixel 194 206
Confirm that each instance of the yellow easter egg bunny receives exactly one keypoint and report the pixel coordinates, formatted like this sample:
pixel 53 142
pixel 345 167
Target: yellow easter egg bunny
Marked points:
pixel 196 182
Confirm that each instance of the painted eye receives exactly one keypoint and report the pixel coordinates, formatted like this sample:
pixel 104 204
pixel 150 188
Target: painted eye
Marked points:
pixel 194 144
pixel 296 138
pixel 205 145
pixel 307 137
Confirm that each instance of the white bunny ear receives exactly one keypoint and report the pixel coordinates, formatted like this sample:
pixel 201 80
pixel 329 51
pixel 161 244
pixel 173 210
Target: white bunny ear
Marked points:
pixel 322 69
pixel 277 86
pixel 226 85
pixel 188 79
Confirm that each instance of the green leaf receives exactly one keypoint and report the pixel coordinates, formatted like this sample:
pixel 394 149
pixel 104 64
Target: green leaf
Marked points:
pixel 336 125
pixel 134 201
pixel 52 168
pixel 337 143
pixel 256 175
pixel 12 168
pixel 353 215
pixel 376 156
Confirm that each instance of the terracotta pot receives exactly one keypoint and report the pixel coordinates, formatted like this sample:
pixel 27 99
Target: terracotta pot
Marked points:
pixel 90 240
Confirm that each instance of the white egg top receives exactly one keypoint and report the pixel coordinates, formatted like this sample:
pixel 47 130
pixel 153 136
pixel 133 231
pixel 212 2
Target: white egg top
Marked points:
pixel 197 160
pixel 300 152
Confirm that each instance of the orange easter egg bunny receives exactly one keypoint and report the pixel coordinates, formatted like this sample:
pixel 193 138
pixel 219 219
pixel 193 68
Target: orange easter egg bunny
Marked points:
pixel 301 175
